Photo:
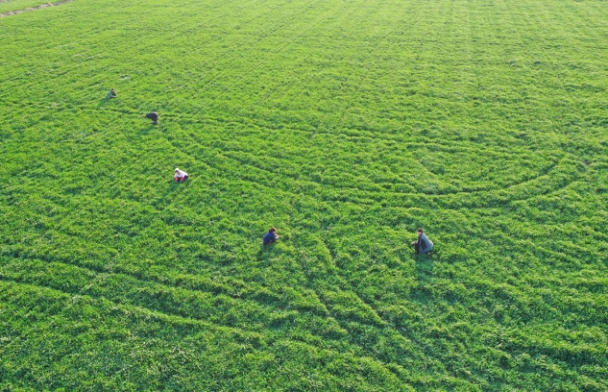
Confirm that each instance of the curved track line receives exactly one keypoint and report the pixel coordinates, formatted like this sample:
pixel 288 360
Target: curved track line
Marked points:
pixel 169 318
pixel 141 309
pixel 544 172
pixel 173 283
pixel 47 5
pixel 344 324
pixel 82 291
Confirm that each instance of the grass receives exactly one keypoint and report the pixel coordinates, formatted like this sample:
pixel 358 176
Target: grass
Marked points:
pixel 17 5
pixel 346 124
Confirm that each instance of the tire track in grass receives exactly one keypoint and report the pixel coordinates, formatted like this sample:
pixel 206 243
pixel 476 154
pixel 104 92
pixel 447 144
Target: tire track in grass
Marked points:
pixel 265 34
pixel 252 19
pixel 562 255
pixel 364 77
pixel 384 323
pixel 190 156
pixel 543 173
pixel 399 372
pixel 546 171
pixel 323 123
pixel 429 355
pixel 46 5
pixel 391 197
pixel 119 304
pixel 349 133
pixel 377 321
pixel 305 59
pixel 93 290
pixel 517 33
pixel 318 75
pixel 545 55
pixel 265 171
pixel 128 44
pixel 324 304
pixel 399 331
pixel 135 308
pixel 281 49
pixel 265 341
pixel 102 269
pixel 203 286
pixel 218 169
pixel 369 55
pixel 270 183
pixel 540 171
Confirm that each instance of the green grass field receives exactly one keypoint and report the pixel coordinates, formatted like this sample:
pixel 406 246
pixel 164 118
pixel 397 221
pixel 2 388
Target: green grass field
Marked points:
pixel 13 7
pixel 346 124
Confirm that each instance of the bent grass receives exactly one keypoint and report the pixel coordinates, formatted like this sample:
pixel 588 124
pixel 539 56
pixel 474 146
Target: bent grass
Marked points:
pixel 346 125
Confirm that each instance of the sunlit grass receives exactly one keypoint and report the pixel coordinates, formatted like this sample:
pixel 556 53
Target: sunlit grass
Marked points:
pixel 346 125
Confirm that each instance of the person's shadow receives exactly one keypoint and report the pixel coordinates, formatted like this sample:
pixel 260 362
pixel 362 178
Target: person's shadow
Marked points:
pixel 424 266
pixel 148 129
pixel 265 250
pixel 171 190
pixel 103 102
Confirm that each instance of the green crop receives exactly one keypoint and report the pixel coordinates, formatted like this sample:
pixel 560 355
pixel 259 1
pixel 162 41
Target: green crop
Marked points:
pixel 18 5
pixel 345 124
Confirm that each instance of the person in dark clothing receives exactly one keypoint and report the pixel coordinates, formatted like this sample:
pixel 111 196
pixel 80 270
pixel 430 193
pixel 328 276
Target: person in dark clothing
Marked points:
pixel 422 245
pixel 153 116
pixel 112 94
pixel 270 237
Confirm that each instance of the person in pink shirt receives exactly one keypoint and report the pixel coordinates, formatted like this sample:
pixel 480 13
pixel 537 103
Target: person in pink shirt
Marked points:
pixel 180 175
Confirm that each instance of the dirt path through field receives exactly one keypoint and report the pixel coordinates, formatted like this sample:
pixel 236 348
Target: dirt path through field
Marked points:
pixel 46 5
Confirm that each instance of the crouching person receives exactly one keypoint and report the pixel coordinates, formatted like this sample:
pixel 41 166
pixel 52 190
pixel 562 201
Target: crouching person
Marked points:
pixel 153 116
pixel 112 94
pixel 422 245
pixel 180 175
pixel 270 237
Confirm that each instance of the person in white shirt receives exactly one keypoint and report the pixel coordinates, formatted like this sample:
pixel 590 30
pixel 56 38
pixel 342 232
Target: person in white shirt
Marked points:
pixel 180 175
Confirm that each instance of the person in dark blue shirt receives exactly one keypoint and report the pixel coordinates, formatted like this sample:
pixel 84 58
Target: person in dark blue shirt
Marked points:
pixel 423 244
pixel 270 237
pixel 153 116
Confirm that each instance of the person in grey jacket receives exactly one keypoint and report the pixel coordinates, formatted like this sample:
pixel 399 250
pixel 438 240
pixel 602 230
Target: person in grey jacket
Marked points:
pixel 423 244
pixel 112 94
